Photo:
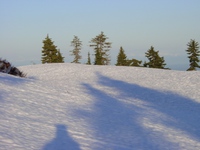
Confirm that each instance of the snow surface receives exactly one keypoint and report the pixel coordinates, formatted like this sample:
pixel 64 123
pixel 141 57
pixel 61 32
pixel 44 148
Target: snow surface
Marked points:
pixel 87 107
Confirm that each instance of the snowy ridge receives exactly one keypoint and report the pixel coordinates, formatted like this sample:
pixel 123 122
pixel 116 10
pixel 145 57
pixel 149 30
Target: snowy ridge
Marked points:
pixel 86 107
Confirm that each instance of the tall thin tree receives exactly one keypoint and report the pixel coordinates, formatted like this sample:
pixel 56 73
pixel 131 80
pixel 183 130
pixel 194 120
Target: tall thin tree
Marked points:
pixel 77 44
pixel 89 59
pixel 101 49
pixel 194 53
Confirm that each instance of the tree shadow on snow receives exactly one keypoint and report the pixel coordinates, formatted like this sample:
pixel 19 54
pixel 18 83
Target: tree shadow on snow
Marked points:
pixel 114 120
pixel 62 140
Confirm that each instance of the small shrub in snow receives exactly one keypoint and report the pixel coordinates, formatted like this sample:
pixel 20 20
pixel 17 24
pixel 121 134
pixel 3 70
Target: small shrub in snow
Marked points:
pixel 6 67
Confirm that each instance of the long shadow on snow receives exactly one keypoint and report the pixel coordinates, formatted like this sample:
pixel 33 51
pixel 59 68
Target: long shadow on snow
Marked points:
pixel 116 121
pixel 62 140
pixel 113 122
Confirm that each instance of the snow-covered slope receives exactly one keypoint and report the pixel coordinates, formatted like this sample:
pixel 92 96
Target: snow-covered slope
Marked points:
pixel 82 107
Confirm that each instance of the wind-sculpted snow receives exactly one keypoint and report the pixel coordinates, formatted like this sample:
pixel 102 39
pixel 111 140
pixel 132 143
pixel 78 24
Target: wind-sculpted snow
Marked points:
pixel 85 107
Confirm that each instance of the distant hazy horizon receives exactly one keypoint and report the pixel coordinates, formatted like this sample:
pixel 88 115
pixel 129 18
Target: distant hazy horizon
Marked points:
pixel 135 25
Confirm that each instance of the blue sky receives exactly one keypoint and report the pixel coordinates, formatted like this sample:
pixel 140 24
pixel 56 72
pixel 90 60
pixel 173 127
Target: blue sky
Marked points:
pixel 136 25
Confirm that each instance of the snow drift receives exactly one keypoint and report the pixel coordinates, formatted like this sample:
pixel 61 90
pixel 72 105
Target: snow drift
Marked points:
pixel 83 107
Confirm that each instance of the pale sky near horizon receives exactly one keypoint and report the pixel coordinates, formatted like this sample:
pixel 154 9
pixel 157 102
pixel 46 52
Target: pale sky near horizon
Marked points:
pixel 136 25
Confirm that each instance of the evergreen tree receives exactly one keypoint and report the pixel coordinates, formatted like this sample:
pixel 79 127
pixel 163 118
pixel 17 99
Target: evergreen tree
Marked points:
pixel 60 59
pixel 145 64
pixel 98 58
pixel 155 61
pixel 193 52
pixel 89 60
pixel 76 43
pixel 134 62
pixel 101 49
pixel 121 58
pixel 49 51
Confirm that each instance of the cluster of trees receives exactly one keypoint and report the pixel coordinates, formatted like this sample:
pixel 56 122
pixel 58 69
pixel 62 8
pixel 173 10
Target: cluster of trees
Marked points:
pixel 101 47
pixel 155 61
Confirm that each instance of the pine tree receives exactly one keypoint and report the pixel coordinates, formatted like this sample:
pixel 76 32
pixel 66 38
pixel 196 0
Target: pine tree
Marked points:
pixel 98 58
pixel 76 43
pixel 121 58
pixel 60 59
pixel 193 52
pixel 134 62
pixel 101 49
pixel 155 61
pixel 89 60
pixel 49 51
